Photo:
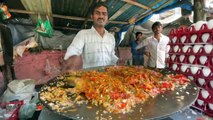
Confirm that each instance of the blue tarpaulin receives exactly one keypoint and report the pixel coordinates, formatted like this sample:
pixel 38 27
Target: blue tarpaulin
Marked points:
pixel 176 3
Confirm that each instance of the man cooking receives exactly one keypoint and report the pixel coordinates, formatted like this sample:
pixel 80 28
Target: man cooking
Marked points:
pixel 96 45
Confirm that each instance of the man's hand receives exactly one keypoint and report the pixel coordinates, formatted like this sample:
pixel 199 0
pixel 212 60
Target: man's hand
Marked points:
pixel 147 54
pixel 120 61
pixel 66 66
pixel 69 65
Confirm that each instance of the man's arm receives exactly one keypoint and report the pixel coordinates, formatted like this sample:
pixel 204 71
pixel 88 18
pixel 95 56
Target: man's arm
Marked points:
pixel 76 47
pixel 72 63
pixel 142 44
pixel 72 55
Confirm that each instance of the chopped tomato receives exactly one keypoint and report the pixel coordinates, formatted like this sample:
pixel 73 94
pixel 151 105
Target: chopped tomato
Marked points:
pixel 166 85
pixel 181 79
pixel 178 76
pixel 93 78
pixel 145 86
pixel 133 80
pixel 89 95
pixel 39 107
pixel 124 95
pixel 122 105
pixel 143 76
pixel 142 96
pixel 115 95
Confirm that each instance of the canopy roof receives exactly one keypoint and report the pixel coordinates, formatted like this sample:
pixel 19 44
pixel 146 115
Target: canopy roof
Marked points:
pixel 74 14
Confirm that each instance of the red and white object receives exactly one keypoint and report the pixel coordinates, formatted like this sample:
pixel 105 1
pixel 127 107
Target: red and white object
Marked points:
pixel 192 52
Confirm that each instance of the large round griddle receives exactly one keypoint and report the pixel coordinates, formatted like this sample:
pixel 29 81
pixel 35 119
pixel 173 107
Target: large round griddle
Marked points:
pixel 161 106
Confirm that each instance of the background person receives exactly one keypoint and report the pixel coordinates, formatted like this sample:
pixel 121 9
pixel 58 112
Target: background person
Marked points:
pixel 137 55
pixel 156 46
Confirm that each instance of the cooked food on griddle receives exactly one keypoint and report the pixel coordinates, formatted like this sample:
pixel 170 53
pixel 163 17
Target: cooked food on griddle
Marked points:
pixel 118 88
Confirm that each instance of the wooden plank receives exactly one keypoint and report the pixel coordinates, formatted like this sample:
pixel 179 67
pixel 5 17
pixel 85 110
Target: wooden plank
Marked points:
pixel 153 10
pixel 156 2
pixel 120 11
pixel 62 16
pixel 69 17
pixel 67 28
pixel 22 11
pixel 136 4
pixel 55 27
pixel 146 13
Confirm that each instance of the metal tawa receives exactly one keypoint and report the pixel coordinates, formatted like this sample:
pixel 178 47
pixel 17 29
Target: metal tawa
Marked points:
pixel 160 106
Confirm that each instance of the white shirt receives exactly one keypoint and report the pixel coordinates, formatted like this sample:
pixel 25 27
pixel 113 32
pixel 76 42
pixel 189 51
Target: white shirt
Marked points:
pixel 96 50
pixel 157 50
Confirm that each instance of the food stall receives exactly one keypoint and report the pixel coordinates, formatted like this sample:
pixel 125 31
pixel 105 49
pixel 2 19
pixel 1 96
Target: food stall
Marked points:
pixel 159 102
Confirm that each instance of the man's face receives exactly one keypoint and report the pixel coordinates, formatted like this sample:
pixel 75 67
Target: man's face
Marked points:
pixel 139 37
pixel 157 29
pixel 100 16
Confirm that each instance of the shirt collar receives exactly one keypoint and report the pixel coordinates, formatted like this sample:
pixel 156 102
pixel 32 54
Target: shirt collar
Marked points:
pixel 161 35
pixel 105 31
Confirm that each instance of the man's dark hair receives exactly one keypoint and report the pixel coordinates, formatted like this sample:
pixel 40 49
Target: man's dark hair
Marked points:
pixel 156 24
pixel 137 33
pixel 97 5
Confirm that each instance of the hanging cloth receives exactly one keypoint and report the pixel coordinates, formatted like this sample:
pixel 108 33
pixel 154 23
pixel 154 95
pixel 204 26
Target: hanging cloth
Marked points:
pixel 44 28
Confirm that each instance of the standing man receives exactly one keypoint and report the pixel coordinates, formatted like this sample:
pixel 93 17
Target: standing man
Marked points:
pixel 137 55
pixel 156 46
pixel 95 45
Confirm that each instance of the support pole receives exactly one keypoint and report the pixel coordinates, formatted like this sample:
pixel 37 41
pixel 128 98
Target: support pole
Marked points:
pixel 198 10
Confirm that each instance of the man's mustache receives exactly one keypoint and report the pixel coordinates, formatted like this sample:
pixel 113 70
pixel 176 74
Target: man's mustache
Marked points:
pixel 100 19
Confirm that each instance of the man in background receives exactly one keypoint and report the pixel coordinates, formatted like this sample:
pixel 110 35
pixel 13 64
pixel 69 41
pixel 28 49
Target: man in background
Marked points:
pixel 137 55
pixel 156 47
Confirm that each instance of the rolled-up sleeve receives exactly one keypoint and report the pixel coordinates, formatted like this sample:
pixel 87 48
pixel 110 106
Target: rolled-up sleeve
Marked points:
pixel 142 44
pixel 76 47
pixel 114 59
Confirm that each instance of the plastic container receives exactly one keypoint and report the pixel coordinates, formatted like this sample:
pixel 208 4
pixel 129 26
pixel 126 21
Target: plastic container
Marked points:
pixel 205 72
pixel 205 95
pixel 194 38
pixel 201 82
pixel 184 67
pixel 173 36
pixel 186 49
pixel 203 60
pixel 209 109
pixel 208 48
pixel 198 25
pixel 176 49
pixel 13 113
pixel 208 84
pixel 182 58
pixel 194 69
pixel 197 48
pixel 192 59
pixel 206 37
pixel 200 104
